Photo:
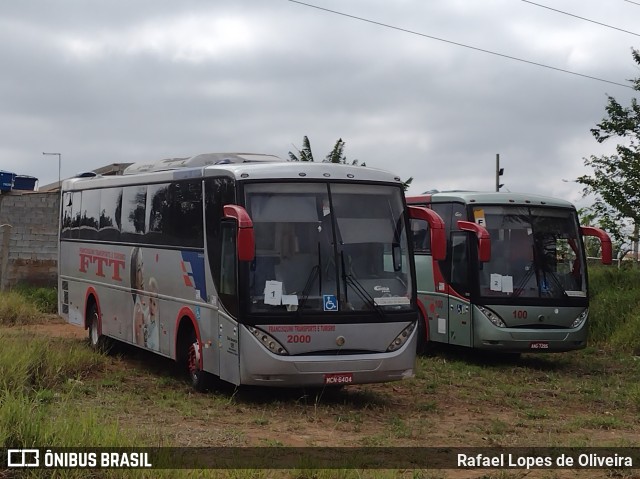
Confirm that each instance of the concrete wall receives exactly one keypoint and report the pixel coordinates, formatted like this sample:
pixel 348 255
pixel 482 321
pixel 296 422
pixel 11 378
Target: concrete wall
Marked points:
pixel 33 241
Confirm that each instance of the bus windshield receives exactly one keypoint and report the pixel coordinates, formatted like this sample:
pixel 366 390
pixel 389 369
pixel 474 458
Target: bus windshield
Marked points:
pixel 328 247
pixel 535 253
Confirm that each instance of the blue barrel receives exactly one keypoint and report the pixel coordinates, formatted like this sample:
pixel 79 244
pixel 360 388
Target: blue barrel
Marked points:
pixel 24 182
pixel 6 180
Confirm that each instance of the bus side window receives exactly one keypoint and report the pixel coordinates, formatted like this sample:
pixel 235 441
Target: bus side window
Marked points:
pixel 421 236
pixel 158 215
pixel 66 214
pixel 228 267
pixel 186 203
pixel 460 262
pixel 110 210
pixel 444 211
pixel 89 219
pixel 76 203
pixel 218 192
pixel 134 202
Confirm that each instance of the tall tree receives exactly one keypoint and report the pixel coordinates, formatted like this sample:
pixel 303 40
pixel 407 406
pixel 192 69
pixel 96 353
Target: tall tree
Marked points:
pixel 616 178
pixel 304 154
pixel 336 155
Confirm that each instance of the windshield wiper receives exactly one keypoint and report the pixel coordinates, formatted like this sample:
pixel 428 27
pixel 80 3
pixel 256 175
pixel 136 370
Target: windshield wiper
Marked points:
pixel 557 282
pixel 316 272
pixel 359 289
pixel 523 282
pixel 313 274
pixel 541 276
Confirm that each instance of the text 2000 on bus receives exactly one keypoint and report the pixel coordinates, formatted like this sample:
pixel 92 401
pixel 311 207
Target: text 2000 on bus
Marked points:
pixel 245 267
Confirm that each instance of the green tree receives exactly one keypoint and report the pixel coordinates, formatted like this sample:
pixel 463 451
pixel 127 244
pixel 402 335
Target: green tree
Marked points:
pixel 304 154
pixel 336 155
pixel 616 178
pixel 590 217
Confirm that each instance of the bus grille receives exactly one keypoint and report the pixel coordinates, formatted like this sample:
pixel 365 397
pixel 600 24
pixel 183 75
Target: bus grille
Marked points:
pixel 538 326
pixel 338 352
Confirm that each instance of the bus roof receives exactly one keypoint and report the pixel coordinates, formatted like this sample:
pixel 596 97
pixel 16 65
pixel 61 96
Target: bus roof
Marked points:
pixel 204 159
pixel 497 198
pixel 260 167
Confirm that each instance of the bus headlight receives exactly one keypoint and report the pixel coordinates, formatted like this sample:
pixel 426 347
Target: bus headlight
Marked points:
pixel 493 317
pixel 580 319
pixel 268 341
pixel 401 338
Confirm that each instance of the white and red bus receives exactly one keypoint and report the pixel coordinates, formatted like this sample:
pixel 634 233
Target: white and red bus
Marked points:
pixel 514 276
pixel 245 267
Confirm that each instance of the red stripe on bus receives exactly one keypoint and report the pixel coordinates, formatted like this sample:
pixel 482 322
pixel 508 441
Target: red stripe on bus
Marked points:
pixel 186 312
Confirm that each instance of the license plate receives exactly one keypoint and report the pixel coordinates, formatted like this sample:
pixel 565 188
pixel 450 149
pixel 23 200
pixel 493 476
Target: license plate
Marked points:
pixel 338 378
pixel 539 345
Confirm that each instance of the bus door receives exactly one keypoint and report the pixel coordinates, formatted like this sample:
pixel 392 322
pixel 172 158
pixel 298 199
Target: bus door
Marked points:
pixel 228 330
pixel 460 330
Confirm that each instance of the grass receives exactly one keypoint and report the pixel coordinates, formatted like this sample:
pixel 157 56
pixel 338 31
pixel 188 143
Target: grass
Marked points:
pixel 26 304
pixel 615 309
pixel 35 373
pixel 15 309
pixel 44 299
pixel 31 363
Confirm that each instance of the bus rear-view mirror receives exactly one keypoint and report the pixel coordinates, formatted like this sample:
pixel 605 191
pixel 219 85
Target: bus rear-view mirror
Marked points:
pixel 605 241
pixel 246 241
pixel 484 239
pixel 436 228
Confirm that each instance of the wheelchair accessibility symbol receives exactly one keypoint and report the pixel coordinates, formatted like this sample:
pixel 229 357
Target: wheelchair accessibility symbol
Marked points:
pixel 330 302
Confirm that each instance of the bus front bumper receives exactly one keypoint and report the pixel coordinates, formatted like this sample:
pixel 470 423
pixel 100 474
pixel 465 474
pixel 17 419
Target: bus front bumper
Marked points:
pixel 260 367
pixel 531 340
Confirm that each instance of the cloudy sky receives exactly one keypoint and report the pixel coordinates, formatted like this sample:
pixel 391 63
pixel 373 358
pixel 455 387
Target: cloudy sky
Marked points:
pixel 113 81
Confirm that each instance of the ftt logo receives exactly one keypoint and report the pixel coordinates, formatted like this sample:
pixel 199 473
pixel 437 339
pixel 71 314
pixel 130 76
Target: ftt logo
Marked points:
pixel 23 458
pixel 104 261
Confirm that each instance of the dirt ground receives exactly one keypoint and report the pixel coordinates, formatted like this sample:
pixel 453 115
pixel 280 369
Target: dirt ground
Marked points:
pixel 382 415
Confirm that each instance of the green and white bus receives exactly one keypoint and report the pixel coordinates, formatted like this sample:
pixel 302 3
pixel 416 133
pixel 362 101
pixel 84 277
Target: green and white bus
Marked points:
pixel 245 267
pixel 514 277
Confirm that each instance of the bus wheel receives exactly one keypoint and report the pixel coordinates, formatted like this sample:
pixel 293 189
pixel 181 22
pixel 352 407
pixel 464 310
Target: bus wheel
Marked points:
pixel 425 346
pixel 199 378
pixel 96 340
pixel 423 340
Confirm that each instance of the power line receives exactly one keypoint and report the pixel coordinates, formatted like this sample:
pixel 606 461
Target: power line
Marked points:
pixel 386 25
pixel 582 18
pixel 635 3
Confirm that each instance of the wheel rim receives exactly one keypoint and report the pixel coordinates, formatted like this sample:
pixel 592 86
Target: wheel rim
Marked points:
pixel 94 329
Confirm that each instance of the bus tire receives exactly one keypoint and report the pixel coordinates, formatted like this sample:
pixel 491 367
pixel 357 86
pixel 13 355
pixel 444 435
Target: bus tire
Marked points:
pixel 200 380
pixel 422 335
pixel 97 341
pixel 425 347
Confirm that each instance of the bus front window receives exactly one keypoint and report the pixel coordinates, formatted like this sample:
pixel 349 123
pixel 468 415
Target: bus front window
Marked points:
pixel 327 247
pixel 535 253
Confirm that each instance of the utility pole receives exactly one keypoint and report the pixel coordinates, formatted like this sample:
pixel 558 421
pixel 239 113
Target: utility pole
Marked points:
pixel 499 172
pixel 59 168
